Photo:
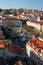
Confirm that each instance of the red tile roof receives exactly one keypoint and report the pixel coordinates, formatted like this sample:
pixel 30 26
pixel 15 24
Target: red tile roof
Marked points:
pixel 2 45
pixel 36 42
pixel 13 48
pixel 39 43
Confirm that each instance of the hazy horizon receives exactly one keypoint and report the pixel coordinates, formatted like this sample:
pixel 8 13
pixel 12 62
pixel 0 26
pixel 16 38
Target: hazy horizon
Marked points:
pixel 25 4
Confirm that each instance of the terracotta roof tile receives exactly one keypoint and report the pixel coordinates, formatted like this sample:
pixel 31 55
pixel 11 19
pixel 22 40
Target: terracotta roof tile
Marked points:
pixel 15 49
pixel 37 42
pixel 2 45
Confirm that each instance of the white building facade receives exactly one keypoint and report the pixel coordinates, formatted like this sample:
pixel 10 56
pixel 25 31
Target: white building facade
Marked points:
pixel 34 55
pixel 37 25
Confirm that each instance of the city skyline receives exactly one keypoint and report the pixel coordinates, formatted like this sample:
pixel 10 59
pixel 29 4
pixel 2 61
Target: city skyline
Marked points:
pixel 28 4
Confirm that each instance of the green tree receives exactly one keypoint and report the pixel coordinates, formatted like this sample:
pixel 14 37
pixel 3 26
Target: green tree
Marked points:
pixel 7 12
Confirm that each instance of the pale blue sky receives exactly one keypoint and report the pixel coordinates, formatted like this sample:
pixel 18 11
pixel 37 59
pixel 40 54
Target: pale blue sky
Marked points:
pixel 32 4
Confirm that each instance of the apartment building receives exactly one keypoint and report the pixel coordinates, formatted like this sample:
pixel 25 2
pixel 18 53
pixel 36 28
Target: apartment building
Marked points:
pixel 15 24
pixel 34 50
pixel 38 25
